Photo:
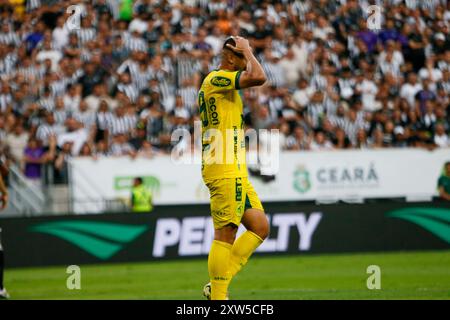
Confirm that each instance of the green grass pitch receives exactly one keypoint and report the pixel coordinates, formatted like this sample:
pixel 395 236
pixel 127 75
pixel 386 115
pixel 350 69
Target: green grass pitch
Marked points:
pixel 412 275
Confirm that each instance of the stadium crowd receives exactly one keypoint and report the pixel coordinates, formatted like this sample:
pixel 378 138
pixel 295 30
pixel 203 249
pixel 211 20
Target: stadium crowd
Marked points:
pixel 127 76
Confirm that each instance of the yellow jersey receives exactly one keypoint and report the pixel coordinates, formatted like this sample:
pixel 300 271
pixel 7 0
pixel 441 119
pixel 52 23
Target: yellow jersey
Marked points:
pixel 221 114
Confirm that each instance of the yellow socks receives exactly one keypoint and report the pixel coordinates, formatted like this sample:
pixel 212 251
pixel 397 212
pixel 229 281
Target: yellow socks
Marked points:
pixel 242 249
pixel 225 260
pixel 218 261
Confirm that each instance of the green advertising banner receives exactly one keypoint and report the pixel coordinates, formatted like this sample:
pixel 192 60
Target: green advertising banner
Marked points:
pixel 173 232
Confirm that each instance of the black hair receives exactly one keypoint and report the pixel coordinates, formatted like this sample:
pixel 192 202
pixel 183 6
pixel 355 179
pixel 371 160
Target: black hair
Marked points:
pixel 231 41
pixel 138 179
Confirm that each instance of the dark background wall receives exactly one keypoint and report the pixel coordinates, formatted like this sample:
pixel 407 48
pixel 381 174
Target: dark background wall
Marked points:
pixel 59 240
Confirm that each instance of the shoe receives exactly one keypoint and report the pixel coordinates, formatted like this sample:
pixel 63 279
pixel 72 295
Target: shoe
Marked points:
pixel 207 291
pixel 4 294
pixel 254 172
pixel 267 179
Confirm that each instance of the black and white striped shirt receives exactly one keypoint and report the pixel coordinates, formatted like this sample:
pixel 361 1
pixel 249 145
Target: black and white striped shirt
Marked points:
pixel 58 87
pixel 213 7
pixel 446 86
pixel 32 72
pixel 85 55
pixel 135 44
pixel 130 90
pixel 337 121
pixel 189 96
pixel 104 120
pixel 165 82
pixel 47 103
pixel 7 65
pixel 185 69
pixel 121 149
pixel 276 104
pixel 319 82
pixel 85 35
pixel 44 131
pixel 121 124
pixel 9 38
pixel 330 106
pixel 274 72
pixel 385 67
pixel 300 8
pixel 132 120
pixel 87 118
pixel 346 86
pixel 351 129
pixel 60 116
pixel 130 66
pixel 5 101
pixel 315 112
pixel 141 77
pixel 33 5
pixel 423 4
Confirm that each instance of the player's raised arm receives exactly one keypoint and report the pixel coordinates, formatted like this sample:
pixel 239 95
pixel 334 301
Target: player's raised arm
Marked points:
pixel 254 74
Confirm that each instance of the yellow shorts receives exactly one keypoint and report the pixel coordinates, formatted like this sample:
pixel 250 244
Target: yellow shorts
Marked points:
pixel 229 200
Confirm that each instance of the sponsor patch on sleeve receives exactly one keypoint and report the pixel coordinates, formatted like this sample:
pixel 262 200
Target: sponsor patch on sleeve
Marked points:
pixel 220 81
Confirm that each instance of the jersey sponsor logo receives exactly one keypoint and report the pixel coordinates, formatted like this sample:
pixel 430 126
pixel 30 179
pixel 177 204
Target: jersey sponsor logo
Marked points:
pixel 238 187
pixel 203 111
pixel 213 111
pixel 208 113
pixel 219 81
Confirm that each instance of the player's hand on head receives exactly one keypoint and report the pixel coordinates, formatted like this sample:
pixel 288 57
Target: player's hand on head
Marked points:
pixel 242 44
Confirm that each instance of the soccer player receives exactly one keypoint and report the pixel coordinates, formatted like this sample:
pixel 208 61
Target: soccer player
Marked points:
pixel 224 171
pixel 3 201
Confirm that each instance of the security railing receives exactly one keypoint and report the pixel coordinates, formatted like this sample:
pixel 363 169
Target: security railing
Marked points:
pixel 26 198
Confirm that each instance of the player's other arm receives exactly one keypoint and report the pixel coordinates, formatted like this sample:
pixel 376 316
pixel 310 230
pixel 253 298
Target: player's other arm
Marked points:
pixel 254 74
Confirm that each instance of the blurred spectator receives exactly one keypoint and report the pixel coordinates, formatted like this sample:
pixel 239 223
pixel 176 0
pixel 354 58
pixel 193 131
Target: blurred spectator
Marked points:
pixel 17 140
pixel 441 138
pixel 321 142
pixel 140 137
pixel 147 150
pixel 120 146
pixel 124 81
pixel 299 140
pixel 34 157
pixel 444 183
pixel 86 151
pixel 410 89
pixel 60 164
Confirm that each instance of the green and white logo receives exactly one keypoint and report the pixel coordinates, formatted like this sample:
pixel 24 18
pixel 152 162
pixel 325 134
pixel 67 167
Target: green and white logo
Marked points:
pixel 302 181
pixel 100 239
pixel 435 220
pixel 126 183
